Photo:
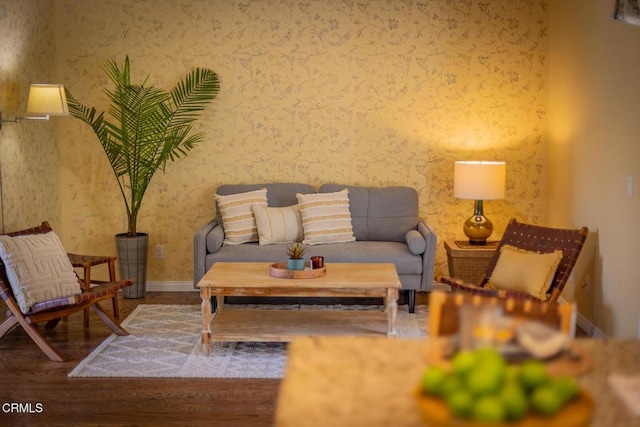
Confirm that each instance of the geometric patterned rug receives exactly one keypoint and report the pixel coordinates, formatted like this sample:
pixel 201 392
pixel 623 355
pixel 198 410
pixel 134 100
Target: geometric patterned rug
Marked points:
pixel 164 342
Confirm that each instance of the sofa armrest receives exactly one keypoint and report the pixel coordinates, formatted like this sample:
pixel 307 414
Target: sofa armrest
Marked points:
pixel 200 250
pixel 429 255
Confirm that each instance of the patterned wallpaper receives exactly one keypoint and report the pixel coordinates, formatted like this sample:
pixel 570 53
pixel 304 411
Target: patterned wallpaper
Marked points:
pixel 369 93
pixel 29 158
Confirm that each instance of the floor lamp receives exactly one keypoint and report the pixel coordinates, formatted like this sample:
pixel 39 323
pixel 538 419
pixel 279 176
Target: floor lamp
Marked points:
pixel 44 100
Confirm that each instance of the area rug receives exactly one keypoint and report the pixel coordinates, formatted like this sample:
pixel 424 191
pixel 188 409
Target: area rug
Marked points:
pixel 164 342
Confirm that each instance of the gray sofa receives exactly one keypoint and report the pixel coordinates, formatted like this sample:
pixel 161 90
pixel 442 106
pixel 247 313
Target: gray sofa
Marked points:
pixel 385 223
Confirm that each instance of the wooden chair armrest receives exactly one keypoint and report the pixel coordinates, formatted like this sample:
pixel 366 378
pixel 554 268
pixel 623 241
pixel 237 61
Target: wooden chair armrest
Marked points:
pixel 461 285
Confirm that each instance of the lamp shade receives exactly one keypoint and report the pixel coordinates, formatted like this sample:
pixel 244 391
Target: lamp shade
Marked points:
pixel 479 180
pixel 47 100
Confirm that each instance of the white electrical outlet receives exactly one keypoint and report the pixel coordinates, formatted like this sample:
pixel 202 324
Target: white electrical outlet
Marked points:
pixel 159 252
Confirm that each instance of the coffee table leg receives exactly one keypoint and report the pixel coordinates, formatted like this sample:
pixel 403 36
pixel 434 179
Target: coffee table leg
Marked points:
pixel 392 311
pixel 205 307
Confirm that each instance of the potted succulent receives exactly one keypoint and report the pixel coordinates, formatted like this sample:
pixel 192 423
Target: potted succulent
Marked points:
pixel 296 251
pixel 146 127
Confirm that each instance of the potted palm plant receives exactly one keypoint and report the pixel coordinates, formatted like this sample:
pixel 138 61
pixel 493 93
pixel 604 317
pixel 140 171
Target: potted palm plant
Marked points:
pixel 145 128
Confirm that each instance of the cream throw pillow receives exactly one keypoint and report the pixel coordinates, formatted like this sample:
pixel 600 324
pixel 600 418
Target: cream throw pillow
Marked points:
pixel 238 220
pixel 326 217
pixel 278 225
pixel 38 268
pixel 523 271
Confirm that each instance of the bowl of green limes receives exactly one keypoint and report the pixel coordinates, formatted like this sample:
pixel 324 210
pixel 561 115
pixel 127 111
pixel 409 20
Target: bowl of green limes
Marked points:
pixel 481 388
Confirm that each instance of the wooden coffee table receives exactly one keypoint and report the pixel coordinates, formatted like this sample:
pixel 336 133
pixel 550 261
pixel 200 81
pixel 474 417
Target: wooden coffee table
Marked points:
pixel 341 280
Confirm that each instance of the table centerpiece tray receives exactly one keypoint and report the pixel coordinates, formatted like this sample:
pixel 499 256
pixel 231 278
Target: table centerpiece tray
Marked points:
pixel 280 270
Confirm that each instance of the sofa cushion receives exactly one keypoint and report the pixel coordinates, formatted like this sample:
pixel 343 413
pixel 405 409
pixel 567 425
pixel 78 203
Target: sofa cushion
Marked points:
pixel 38 268
pixel 380 214
pixel 415 241
pixel 215 239
pixel 278 225
pixel 326 218
pixel 238 220
pixel 394 252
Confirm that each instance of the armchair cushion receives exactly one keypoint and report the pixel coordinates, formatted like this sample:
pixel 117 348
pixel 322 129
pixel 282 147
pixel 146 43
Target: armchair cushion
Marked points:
pixel 524 271
pixel 278 225
pixel 238 220
pixel 38 269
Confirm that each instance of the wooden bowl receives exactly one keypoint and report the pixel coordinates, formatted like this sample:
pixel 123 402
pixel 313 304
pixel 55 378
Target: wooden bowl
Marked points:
pixel 576 413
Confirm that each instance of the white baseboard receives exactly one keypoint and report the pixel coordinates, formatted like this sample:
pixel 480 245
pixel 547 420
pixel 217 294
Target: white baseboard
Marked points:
pixel 589 328
pixel 586 325
pixel 171 287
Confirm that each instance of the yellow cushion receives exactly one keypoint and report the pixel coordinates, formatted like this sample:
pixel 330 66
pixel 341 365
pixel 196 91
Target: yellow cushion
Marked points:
pixel 278 225
pixel 38 268
pixel 326 217
pixel 524 271
pixel 238 220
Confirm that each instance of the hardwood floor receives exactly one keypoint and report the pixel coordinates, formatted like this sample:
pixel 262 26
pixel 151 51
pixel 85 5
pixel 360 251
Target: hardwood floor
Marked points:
pixel 28 378
pixel 47 397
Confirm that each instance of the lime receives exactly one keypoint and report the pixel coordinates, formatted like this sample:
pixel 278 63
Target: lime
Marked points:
pixel 546 400
pixel 511 373
pixel 450 384
pixel 460 403
pixel 514 400
pixel 533 374
pixel 567 387
pixel 485 378
pixel 432 379
pixel 463 362
pixel 489 355
pixel 488 409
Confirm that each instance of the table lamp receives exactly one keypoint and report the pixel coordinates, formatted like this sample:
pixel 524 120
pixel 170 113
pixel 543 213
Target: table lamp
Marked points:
pixel 478 180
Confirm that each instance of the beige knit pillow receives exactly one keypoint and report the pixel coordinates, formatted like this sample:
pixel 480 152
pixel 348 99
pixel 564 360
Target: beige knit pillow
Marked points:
pixel 238 220
pixel 278 225
pixel 326 217
pixel 524 271
pixel 38 268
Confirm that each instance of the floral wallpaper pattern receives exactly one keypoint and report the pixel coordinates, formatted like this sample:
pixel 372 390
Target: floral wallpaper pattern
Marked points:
pixel 377 93
pixel 29 157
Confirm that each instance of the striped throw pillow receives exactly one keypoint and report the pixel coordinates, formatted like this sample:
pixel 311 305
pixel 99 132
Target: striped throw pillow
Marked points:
pixel 326 217
pixel 238 220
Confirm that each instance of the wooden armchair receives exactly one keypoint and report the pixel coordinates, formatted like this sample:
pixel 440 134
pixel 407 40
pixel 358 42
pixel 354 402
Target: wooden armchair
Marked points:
pixel 53 310
pixel 533 238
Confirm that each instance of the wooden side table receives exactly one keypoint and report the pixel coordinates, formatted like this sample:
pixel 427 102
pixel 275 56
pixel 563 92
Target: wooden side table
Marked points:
pixel 86 262
pixel 468 262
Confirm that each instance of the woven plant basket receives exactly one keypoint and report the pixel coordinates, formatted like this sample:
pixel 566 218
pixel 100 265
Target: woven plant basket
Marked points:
pixel 132 259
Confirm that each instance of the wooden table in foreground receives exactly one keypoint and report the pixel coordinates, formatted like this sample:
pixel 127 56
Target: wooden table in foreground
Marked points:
pixel 367 381
pixel 253 279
